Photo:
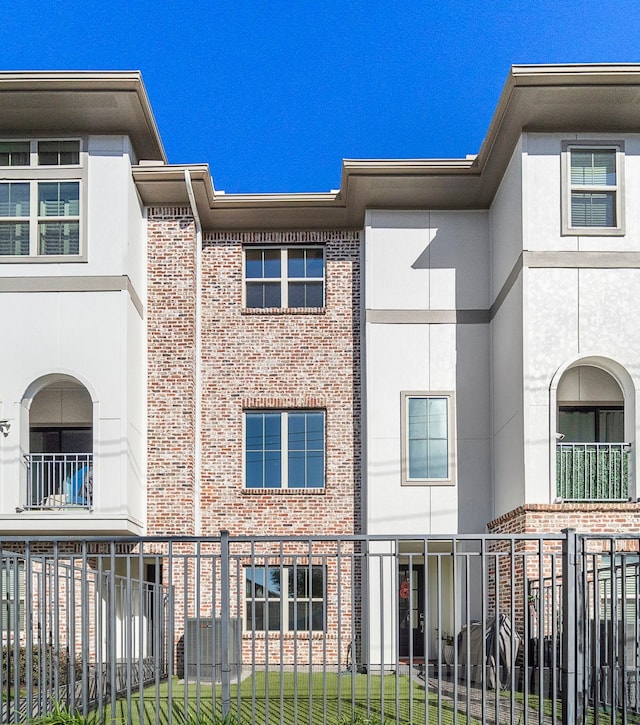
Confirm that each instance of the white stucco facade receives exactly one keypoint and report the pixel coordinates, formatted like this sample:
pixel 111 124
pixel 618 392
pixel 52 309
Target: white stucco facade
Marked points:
pixel 79 326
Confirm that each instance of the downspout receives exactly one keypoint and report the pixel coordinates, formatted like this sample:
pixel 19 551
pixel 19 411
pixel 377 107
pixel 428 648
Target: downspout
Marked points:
pixel 197 425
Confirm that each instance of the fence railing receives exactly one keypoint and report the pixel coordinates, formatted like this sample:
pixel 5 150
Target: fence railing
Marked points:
pixel 593 471
pixel 59 480
pixel 322 630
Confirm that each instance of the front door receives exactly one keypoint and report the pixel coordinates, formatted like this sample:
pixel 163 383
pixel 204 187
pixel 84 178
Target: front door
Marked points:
pixel 411 610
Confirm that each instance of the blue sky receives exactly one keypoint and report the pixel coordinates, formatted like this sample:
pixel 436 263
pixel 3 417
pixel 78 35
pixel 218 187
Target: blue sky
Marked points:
pixel 272 95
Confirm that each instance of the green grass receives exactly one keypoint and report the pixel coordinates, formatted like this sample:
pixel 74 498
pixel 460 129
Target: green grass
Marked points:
pixel 600 717
pixel 322 699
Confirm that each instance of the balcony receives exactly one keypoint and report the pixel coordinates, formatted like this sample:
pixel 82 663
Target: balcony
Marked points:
pixel 59 481
pixel 592 471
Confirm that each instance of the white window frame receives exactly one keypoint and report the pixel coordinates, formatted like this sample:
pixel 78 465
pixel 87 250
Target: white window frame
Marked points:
pixel 284 451
pixel 284 279
pixel 450 479
pixel 34 174
pixel 568 229
pixel 284 600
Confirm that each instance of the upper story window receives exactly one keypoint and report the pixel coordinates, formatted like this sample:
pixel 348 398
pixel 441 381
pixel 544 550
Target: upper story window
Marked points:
pixel 284 449
pixel 284 277
pixel 427 438
pixel 40 199
pixel 593 199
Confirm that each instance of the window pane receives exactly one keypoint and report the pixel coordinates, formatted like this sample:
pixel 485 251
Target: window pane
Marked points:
pixel 593 209
pixel 418 458
pixel 296 474
pixel 298 582
pixel 273 582
pixel 418 418
pixel 317 582
pixel 14 238
pixel 305 263
pixel 438 427
pixel 305 294
pixel 58 153
pixel 593 167
pixel 263 295
pixel 297 431
pixel 273 469
pixel 253 431
pixel 295 264
pixel 14 153
pixel 253 264
pixel 272 431
pixel 298 616
pixel 611 426
pixel 254 469
pixel 438 464
pixel 59 238
pixel 315 469
pixel 315 263
pixel 59 199
pixel 14 200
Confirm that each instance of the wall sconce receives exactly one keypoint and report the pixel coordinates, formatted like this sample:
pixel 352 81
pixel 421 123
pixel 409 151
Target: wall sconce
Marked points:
pixel 5 425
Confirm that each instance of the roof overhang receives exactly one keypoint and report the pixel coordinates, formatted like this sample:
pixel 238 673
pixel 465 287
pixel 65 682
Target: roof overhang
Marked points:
pixel 60 102
pixel 549 98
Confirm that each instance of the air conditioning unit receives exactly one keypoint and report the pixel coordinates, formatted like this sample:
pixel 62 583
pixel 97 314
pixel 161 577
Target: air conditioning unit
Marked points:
pixel 203 649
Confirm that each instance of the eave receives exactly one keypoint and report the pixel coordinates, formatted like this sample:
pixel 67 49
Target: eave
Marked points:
pixel 563 99
pixel 79 102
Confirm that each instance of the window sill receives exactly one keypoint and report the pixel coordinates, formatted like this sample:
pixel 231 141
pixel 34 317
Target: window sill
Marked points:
pixel 427 482
pixel 593 232
pixel 42 258
pixel 284 310
pixel 248 635
pixel 283 491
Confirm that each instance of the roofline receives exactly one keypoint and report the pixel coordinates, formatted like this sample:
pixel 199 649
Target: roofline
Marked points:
pixel 471 182
pixel 88 82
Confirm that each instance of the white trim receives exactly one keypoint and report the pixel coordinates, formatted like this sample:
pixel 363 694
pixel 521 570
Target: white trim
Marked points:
pixel 450 480
pixel 618 189
pixel 284 278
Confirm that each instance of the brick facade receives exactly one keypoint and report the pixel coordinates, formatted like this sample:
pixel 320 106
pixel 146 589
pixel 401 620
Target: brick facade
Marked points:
pixel 251 359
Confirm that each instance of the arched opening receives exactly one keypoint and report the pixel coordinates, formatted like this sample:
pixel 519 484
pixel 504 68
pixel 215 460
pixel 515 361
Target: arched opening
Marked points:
pixel 593 446
pixel 60 458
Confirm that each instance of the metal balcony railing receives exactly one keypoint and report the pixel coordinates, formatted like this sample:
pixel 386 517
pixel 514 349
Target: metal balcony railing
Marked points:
pixel 592 471
pixel 59 480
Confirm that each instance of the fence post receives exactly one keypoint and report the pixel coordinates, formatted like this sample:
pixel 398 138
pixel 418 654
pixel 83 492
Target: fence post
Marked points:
pixel 569 690
pixel 225 614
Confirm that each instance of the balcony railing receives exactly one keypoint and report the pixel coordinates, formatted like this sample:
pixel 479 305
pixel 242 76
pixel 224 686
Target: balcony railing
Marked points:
pixel 58 481
pixel 592 471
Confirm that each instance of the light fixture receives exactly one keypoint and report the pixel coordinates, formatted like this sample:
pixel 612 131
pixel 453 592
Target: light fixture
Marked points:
pixel 5 425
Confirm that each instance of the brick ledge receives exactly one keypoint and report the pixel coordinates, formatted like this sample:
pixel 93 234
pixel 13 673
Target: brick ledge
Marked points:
pixel 565 507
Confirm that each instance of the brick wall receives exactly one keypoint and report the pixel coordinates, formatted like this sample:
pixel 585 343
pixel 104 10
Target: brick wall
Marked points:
pixel 258 359
pixel 280 359
pixel 171 380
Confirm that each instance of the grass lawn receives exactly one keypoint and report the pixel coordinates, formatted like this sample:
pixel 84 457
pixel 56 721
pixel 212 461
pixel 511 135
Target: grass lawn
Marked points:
pixel 322 699
pixel 601 716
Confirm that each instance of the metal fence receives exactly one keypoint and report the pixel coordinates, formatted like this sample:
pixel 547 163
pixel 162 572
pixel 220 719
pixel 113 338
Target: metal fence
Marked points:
pixel 322 630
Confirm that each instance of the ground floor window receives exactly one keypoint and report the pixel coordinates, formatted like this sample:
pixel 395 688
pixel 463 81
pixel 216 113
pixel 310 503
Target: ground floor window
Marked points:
pixel 285 598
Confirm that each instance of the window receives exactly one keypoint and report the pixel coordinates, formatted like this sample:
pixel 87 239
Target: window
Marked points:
pixel 40 199
pixel 285 598
pixel 13 594
pixel 593 204
pixel 591 424
pixel 427 438
pixel 284 449
pixel 284 277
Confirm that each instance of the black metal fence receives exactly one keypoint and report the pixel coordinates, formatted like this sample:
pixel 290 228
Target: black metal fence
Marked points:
pixel 323 630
